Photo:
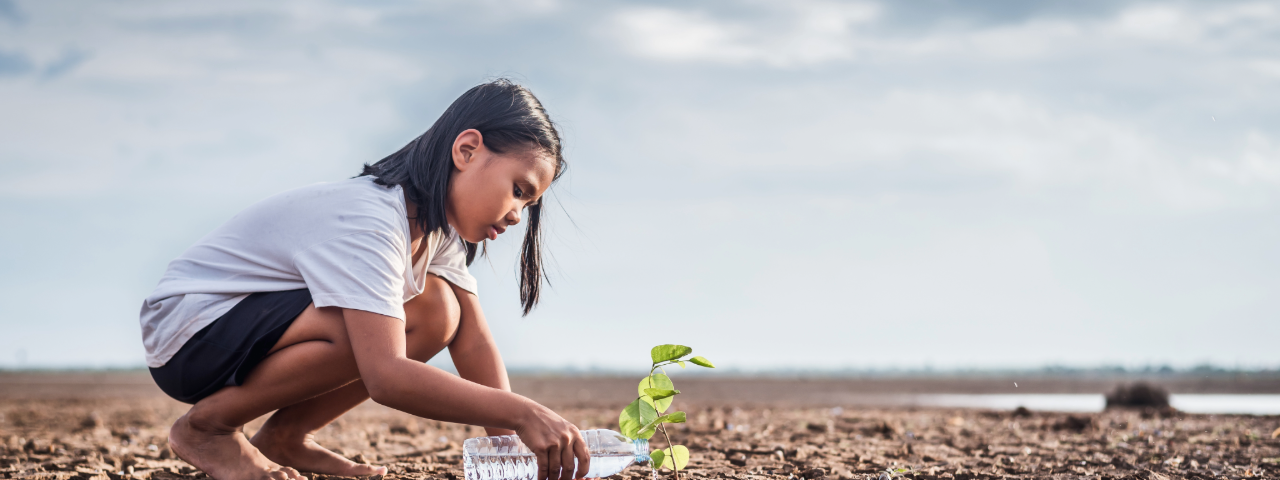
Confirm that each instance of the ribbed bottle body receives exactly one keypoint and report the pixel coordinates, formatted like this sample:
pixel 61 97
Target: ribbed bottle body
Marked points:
pixel 506 458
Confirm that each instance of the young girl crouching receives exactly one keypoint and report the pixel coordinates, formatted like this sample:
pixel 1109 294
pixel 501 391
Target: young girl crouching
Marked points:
pixel 316 299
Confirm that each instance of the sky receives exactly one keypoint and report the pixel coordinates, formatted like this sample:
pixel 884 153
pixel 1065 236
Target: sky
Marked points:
pixel 780 185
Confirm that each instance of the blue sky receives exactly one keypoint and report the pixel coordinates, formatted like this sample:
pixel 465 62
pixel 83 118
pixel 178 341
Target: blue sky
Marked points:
pixel 778 184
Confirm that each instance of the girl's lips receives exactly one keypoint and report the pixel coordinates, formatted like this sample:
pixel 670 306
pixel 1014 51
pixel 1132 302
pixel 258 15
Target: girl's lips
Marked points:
pixel 493 233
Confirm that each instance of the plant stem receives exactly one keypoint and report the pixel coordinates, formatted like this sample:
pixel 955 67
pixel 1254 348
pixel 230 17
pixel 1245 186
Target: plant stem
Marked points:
pixel 670 446
pixel 662 426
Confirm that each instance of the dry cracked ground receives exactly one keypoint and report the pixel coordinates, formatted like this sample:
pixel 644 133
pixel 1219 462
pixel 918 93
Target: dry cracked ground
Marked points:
pixel 123 438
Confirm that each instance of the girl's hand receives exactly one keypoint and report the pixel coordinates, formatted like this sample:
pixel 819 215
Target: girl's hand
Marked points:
pixel 555 442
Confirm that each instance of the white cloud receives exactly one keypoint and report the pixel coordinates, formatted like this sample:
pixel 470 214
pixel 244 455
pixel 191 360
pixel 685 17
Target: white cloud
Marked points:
pixel 1257 165
pixel 1023 143
pixel 1158 22
pixel 799 33
pixel 980 97
pixel 1033 39
pixel 1187 24
pixel 668 34
pixel 197 105
pixel 1266 67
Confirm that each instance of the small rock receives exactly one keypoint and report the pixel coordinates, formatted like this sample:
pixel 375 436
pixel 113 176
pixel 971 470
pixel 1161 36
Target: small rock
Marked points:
pixel 814 473
pixel 1074 423
pixel 1021 412
pixel 887 429
pixel 91 421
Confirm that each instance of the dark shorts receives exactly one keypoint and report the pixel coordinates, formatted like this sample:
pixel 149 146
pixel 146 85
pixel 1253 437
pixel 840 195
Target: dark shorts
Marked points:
pixel 223 353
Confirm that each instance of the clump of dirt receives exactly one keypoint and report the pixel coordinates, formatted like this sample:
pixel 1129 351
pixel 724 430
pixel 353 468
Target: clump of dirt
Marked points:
pixel 1138 395
pixel 124 439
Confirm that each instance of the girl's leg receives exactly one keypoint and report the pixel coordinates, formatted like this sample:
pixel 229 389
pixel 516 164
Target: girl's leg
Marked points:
pixel 287 437
pixel 209 436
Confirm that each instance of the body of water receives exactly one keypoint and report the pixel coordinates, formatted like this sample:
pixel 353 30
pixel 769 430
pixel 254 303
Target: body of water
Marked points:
pixel 1252 404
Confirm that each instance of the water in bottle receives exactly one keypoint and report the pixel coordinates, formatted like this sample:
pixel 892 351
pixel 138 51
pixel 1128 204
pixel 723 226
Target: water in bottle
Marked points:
pixel 505 458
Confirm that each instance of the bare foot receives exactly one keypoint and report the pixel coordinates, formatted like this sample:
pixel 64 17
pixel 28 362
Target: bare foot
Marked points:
pixel 224 455
pixel 301 451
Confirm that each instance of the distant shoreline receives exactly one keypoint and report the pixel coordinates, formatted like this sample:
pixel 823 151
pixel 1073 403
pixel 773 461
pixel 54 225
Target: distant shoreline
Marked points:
pixel 745 390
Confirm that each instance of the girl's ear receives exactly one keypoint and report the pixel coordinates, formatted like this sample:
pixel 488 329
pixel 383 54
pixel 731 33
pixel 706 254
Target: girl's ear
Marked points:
pixel 466 147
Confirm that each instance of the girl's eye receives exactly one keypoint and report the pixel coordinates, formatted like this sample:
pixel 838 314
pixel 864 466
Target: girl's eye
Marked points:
pixel 519 193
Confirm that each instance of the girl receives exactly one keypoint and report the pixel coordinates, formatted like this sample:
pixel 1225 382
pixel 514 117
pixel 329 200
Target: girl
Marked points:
pixel 314 300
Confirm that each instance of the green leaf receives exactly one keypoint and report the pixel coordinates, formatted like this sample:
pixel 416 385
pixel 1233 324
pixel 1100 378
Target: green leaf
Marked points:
pixel 648 430
pixel 637 414
pixel 702 362
pixel 675 417
pixel 658 381
pixel 665 353
pixel 660 393
pixel 680 455
pixel 681 362
pixel 657 458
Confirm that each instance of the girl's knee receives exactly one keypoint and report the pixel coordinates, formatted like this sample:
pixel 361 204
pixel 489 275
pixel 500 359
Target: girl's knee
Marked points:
pixel 436 302
pixel 431 319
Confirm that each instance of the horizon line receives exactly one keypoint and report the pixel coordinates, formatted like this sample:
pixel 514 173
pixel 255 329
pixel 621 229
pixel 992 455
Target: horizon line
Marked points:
pixel 1048 370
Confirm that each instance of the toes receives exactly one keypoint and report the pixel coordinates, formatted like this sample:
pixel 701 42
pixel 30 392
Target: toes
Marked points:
pixel 371 469
pixel 364 470
pixel 293 474
pixel 278 475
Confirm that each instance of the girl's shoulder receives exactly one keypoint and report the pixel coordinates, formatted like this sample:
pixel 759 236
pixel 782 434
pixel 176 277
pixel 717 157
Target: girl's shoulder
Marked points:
pixel 353 189
pixel 332 209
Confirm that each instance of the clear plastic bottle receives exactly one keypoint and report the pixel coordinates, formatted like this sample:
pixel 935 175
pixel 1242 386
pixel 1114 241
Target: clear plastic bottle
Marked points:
pixel 505 458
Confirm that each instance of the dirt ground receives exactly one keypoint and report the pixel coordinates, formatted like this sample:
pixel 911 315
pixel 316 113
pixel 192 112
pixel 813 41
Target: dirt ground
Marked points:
pixel 87 429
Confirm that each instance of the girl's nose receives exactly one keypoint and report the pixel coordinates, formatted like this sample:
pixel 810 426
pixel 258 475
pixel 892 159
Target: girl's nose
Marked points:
pixel 513 217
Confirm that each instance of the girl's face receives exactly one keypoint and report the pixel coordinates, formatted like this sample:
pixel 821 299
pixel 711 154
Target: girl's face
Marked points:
pixel 489 191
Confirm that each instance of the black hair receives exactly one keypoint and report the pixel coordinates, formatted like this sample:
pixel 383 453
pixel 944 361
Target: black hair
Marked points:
pixel 508 117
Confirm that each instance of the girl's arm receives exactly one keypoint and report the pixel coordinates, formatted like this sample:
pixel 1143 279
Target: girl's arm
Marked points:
pixel 395 380
pixel 473 351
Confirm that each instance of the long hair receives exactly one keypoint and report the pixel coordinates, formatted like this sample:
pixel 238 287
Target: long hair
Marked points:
pixel 508 117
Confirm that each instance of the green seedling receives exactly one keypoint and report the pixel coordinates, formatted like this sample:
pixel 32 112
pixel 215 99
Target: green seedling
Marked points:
pixel 892 473
pixel 647 415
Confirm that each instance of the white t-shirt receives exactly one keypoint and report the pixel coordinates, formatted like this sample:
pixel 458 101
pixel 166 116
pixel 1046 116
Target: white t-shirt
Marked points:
pixel 348 242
